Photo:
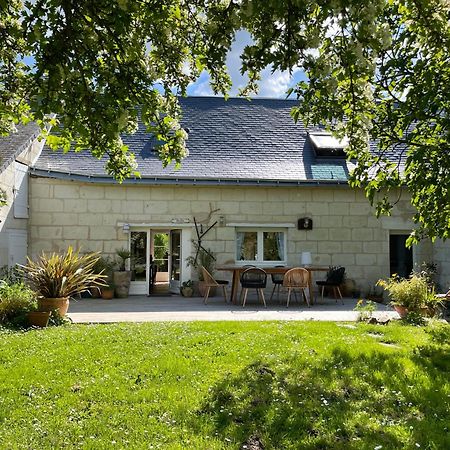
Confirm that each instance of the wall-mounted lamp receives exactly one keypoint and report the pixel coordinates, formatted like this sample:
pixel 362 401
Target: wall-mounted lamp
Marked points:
pixel 221 221
pixel 306 259
pixel 126 227
pixel 305 223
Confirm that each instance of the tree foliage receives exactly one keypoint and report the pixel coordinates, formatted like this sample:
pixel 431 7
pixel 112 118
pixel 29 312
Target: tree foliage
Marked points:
pixel 379 69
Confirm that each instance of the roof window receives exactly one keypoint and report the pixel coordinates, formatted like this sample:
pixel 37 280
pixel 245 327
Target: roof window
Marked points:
pixel 327 146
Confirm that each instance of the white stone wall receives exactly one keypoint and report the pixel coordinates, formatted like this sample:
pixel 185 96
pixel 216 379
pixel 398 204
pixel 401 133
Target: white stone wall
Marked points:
pixel 441 256
pixel 345 231
pixel 8 223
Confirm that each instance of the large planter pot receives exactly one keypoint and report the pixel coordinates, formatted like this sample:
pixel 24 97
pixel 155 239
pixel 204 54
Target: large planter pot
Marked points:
pixel 122 282
pixel 401 310
pixel 50 304
pixel 186 291
pixel 38 318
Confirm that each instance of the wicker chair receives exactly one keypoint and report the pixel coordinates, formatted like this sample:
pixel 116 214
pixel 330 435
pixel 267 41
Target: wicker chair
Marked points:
pixel 253 278
pixel 210 282
pixel 296 278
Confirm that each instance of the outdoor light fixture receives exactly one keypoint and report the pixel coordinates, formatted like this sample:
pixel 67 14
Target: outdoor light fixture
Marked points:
pixel 221 221
pixel 126 227
pixel 306 259
pixel 305 223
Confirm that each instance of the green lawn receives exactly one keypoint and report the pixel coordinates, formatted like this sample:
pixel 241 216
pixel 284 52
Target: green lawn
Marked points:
pixel 224 385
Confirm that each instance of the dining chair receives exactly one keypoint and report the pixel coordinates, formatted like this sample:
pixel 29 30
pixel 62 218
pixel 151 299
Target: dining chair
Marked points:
pixel 277 281
pixel 210 282
pixel 253 278
pixel 335 277
pixel 296 278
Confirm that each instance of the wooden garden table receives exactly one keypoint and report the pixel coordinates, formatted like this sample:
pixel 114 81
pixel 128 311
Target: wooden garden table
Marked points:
pixel 237 270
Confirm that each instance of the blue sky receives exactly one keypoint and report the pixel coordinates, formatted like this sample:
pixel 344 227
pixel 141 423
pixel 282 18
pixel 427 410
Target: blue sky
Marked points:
pixel 272 85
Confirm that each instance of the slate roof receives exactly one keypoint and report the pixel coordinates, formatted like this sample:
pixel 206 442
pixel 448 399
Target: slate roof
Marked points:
pixel 15 143
pixel 234 141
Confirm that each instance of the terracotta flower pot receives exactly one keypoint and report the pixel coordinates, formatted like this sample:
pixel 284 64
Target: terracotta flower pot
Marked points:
pixel 38 318
pixel 50 304
pixel 401 310
pixel 107 293
pixel 95 292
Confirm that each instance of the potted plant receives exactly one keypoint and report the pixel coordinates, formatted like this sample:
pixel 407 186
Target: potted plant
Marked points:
pixel 18 305
pixel 407 294
pixel 57 277
pixel 187 288
pixel 207 259
pixel 122 277
pixel 104 266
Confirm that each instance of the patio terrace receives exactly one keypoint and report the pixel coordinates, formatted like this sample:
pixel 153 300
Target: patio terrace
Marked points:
pixel 177 308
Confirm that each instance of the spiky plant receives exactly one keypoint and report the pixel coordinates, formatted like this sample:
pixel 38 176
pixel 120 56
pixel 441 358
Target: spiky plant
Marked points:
pixel 123 254
pixel 63 275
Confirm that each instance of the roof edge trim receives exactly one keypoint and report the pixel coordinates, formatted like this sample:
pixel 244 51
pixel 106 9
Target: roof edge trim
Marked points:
pixel 155 181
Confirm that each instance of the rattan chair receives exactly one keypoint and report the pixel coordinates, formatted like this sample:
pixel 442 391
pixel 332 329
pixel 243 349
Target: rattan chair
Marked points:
pixel 253 278
pixel 335 277
pixel 296 278
pixel 210 282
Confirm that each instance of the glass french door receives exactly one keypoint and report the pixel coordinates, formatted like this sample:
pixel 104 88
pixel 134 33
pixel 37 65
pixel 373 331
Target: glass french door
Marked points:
pixel 175 260
pixel 164 247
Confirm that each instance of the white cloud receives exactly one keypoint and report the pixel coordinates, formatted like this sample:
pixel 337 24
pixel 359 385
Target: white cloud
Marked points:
pixel 271 85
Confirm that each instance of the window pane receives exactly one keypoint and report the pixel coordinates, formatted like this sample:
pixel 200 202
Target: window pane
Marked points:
pixel 161 251
pixel 247 245
pixel 273 245
pixel 138 255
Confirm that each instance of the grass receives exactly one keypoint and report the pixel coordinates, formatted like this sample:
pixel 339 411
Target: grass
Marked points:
pixel 224 386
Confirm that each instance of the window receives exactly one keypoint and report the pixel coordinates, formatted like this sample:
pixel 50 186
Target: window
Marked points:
pixel 327 146
pixel 260 246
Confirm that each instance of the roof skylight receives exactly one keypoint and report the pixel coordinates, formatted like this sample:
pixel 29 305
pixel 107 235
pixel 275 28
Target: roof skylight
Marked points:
pixel 327 146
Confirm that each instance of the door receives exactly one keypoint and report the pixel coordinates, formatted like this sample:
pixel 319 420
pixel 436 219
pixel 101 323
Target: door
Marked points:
pixel 175 261
pixel 400 257
pixel 138 262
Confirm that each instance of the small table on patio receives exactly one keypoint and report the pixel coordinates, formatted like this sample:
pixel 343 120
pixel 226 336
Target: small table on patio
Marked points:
pixel 237 270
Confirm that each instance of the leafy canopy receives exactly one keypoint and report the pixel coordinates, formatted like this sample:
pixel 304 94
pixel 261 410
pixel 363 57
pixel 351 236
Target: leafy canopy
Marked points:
pixel 378 68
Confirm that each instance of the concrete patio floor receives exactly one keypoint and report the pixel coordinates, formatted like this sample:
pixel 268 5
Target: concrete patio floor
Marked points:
pixel 176 308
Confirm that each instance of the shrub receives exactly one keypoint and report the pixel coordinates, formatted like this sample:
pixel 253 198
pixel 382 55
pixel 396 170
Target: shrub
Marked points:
pixel 365 310
pixel 412 293
pixel 16 300
pixel 58 276
pixel 203 258
pixel 123 255
pixel 11 274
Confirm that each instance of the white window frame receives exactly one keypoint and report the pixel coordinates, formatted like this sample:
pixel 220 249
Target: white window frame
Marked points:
pixel 260 245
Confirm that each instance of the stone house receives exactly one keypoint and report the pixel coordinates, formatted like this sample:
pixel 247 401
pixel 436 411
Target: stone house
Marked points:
pixel 252 170
pixel 18 151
